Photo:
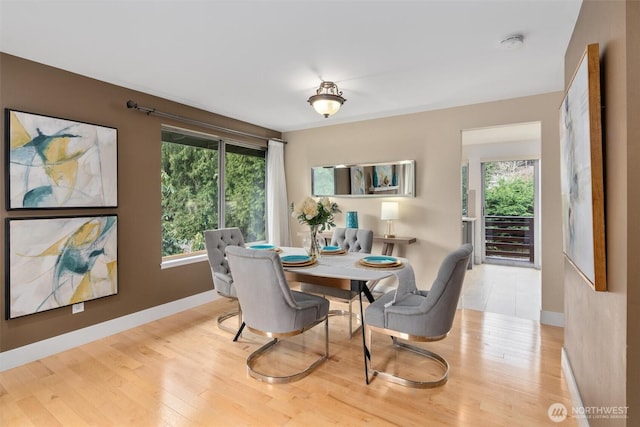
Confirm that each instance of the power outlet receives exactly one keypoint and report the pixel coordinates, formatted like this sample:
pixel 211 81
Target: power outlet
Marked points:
pixel 77 308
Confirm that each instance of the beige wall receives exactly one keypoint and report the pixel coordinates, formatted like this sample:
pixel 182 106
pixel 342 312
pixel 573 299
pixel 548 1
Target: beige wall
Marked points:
pixel 433 140
pixel 600 326
pixel 32 87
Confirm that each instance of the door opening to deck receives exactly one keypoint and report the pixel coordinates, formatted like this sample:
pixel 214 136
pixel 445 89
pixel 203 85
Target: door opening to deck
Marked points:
pixel 508 209
pixel 505 239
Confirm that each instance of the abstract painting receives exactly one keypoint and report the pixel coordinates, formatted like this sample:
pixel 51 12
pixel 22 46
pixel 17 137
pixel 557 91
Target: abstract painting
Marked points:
pixel 357 180
pixel 55 262
pixel 582 185
pixel 56 163
pixel 384 176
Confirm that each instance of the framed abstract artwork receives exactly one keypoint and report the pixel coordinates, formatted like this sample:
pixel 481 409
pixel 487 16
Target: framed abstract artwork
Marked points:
pixel 383 176
pixel 55 163
pixel 357 180
pixel 55 262
pixel 582 181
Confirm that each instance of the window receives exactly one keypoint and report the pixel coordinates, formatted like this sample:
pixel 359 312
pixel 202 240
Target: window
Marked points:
pixel 465 189
pixel 198 171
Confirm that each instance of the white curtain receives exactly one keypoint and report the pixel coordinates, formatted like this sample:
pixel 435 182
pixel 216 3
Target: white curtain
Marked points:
pixel 277 202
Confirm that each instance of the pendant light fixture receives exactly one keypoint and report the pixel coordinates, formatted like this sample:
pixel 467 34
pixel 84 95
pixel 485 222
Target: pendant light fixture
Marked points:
pixel 327 100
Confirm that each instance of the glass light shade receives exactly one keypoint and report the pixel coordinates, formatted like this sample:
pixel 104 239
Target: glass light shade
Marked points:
pixel 389 211
pixel 326 107
pixel 327 100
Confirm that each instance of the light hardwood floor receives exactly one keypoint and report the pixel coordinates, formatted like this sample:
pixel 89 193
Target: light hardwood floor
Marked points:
pixel 184 371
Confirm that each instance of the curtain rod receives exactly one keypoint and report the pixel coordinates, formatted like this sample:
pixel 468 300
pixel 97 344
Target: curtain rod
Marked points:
pixel 149 111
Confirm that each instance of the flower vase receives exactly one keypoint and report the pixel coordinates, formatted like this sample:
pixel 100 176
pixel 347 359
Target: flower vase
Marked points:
pixel 314 246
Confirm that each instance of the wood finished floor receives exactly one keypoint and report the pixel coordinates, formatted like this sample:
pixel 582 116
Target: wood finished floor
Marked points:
pixel 184 371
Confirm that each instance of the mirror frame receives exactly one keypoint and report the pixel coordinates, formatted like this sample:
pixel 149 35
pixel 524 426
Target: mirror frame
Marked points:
pixel 382 190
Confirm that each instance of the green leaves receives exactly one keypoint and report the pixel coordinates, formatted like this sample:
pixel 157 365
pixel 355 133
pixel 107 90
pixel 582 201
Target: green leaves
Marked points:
pixel 510 197
pixel 190 194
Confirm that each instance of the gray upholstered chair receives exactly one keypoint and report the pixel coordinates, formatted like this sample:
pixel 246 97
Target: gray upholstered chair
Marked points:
pixel 414 315
pixel 215 242
pixel 351 240
pixel 270 308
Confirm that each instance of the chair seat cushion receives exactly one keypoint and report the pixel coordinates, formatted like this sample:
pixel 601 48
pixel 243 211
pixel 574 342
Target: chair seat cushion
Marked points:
pixel 311 308
pixel 401 316
pixel 223 284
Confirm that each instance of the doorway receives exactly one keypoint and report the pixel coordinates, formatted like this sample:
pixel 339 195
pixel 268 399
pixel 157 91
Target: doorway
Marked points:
pixel 498 282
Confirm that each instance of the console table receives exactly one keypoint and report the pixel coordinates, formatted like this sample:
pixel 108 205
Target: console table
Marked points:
pixel 388 243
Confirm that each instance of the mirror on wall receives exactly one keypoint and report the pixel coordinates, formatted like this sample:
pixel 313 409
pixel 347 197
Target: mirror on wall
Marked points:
pixel 365 180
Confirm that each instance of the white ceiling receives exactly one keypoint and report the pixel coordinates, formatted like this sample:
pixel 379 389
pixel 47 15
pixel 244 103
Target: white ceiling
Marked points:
pixel 259 61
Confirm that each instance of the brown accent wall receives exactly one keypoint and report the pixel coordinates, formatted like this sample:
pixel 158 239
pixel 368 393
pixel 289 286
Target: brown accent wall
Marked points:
pixel 601 337
pixel 36 88
pixel 633 207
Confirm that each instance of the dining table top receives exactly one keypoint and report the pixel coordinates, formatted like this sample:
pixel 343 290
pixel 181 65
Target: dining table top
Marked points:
pixel 342 266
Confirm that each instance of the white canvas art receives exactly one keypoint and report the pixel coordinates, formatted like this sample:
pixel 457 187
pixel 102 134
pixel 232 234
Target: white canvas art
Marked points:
pixel 57 163
pixel 582 187
pixel 54 262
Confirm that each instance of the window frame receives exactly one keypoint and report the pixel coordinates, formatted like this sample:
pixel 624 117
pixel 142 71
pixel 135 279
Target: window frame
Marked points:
pixel 176 260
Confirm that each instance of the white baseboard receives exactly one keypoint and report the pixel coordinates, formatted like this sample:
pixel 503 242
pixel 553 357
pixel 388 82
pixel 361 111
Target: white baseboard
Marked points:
pixel 574 392
pixel 38 350
pixel 552 318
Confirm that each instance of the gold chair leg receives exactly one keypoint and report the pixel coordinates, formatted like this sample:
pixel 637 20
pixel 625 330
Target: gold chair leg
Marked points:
pixel 409 382
pixel 272 379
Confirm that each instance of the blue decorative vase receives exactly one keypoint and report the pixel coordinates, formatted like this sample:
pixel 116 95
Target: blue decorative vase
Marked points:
pixel 352 219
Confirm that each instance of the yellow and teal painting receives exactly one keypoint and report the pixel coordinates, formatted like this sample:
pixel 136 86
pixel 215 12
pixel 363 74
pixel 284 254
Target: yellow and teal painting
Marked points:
pixel 58 163
pixel 55 262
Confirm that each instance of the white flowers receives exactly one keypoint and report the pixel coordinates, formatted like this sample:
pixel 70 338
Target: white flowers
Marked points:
pixel 315 213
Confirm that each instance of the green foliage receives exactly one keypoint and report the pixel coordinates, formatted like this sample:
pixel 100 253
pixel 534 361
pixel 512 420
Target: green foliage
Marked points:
pixel 190 196
pixel 465 189
pixel 245 195
pixel 510 197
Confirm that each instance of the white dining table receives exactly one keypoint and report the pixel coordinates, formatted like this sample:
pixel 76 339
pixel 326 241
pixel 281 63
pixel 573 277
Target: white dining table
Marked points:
pixel 344 272
pixel 345 266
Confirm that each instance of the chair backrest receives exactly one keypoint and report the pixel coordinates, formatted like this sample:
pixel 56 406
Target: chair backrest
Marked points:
pixel 442 299
pixel 216 242
pixel 263 292
pixel 353 239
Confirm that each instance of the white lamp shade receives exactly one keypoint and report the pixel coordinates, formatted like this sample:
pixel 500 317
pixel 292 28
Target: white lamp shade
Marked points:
pixel 389 211
pixel 326 107
pixel 327 100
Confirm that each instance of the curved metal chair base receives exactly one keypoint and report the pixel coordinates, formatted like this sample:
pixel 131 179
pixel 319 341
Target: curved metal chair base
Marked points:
pixel 413 383
pixel 272 379
pixel 226 316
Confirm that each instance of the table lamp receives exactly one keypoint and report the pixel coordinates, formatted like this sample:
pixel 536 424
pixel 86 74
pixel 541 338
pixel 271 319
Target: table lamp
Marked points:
pixel 389 212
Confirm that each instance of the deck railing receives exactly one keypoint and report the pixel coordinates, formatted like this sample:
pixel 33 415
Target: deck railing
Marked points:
pixel 509 237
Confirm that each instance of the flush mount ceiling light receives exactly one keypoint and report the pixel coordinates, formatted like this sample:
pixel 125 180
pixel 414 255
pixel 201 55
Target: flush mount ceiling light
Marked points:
pixel 327 100
pixel 514 41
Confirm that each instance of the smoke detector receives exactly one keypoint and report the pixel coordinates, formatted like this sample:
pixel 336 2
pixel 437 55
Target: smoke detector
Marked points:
pixel 514 41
